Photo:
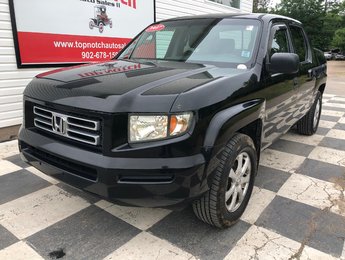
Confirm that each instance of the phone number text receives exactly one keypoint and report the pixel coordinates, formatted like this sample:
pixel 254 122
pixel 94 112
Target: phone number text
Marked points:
pixel 98 55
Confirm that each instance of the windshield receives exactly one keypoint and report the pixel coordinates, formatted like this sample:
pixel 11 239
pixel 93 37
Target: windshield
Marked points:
pixel 227 41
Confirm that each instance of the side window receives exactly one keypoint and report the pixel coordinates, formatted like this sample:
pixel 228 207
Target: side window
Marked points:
pixel 280 42
pixel 299 42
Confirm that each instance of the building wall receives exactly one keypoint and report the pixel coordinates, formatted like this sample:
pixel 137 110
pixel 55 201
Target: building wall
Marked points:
pixel 171 8
pixel 13 80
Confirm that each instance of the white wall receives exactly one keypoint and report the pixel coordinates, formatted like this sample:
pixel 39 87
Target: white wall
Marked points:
pixel 13 80
pixel 171 8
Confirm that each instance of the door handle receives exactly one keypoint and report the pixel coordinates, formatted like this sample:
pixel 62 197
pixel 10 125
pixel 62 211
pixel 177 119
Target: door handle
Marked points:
pixel 312 74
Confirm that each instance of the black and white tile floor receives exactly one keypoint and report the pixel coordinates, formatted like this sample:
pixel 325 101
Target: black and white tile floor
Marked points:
pixel 297 210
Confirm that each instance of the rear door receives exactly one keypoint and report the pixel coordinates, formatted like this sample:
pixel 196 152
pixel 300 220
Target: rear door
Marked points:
pixel 307 75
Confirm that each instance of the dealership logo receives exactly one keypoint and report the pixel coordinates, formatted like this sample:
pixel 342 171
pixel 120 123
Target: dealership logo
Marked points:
pixel 114 3
pixel 108 65
pixel 130 3
pixel 100 19
pixel 110 68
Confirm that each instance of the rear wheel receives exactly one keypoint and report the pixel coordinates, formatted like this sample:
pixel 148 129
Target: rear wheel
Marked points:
pixel 308 124
pixel 231 186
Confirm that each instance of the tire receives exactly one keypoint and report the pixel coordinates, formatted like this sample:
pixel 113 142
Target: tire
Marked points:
pixel 213 207
pixel 308 124
pixel 101 27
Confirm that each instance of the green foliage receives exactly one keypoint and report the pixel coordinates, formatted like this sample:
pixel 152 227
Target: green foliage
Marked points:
pixel 339 39
pixel 331 22
pixel 261 6
pixel 321 18
pixel 310 13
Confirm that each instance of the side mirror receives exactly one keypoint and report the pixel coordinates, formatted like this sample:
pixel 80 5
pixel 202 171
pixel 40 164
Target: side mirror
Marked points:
pixel 287 63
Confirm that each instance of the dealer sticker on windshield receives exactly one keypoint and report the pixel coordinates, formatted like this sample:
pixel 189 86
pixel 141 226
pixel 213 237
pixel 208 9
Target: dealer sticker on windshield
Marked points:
pixel 245 54
pixel 155 28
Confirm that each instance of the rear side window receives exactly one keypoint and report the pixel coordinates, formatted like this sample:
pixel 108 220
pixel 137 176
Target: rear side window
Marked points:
pixel 299 42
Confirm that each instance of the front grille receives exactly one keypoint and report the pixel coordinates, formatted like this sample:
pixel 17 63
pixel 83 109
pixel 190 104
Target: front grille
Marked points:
pixel 76 128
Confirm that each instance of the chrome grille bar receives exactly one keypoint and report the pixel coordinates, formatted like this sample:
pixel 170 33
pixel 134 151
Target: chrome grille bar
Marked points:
pixel 76 128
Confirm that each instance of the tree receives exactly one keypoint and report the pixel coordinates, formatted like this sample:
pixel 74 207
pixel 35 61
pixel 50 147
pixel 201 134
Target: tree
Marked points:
pixel 333 5
pixel 330 22
pixel 310 13
pixel 339 39
pixel 334 19
pixel 321 18
pixel 261 6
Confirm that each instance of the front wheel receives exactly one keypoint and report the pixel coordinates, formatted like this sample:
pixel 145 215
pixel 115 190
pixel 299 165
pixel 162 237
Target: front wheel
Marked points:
pixel 91 24
pixel 308 124
pixel 231 186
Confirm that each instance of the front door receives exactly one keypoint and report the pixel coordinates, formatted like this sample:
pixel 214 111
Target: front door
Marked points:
pixel 280 89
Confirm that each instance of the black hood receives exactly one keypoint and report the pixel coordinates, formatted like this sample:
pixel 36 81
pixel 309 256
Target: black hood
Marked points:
pixel 124 86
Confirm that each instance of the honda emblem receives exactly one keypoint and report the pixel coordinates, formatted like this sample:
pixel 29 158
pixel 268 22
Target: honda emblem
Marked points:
pixel 59 124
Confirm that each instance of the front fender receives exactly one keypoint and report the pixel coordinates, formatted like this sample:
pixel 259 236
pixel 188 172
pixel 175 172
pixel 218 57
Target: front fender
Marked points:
pixel 227 122
pixel 222 127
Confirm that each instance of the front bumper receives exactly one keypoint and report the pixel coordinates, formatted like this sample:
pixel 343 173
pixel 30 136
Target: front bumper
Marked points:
pixel 148 182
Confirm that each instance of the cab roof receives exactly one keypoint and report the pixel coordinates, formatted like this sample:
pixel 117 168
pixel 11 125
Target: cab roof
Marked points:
pixel 259 16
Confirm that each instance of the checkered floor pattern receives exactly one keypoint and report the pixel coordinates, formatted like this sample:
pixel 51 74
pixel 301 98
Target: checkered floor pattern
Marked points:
pixel 297 210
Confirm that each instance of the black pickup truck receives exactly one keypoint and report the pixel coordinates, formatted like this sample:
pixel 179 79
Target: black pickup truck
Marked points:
pixel 180 115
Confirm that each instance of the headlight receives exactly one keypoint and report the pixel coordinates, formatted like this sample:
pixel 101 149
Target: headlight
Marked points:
pixel 154 127
pixel 179 124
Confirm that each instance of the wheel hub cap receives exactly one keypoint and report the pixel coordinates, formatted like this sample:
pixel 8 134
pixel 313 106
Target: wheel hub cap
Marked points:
pixel 316 113
pixel 238 182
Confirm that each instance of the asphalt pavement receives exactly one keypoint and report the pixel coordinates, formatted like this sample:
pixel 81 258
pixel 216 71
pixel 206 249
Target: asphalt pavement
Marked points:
pixel 336 78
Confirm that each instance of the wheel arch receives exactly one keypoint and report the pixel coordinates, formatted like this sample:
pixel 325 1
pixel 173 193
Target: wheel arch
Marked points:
pixel 322 88
pixel 254 131
pixel 246 118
